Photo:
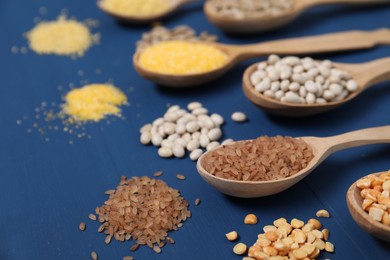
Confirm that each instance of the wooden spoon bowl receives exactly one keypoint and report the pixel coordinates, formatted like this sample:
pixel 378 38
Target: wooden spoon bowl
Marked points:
pixel 361 217
pixel 341 41
pixel 322 147
pixel 365 74
pixel 174 5
pixel 269 22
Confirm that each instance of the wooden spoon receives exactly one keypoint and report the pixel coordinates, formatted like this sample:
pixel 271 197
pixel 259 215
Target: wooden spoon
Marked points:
pixel 341 41
pixel 322 147
pixel 266 23
pixel 354 202
pixel 174 5
pixel 365 74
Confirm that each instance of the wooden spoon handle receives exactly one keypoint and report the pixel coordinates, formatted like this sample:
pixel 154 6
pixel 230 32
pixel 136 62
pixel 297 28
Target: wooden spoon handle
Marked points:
pixel 322 2
pixel 341 41
pixel 371 73
pixel 361 137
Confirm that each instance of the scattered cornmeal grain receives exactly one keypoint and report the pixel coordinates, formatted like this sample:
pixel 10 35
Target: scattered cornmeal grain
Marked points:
pixel 182 58
pixel 158 174
pixel 64 36
pixel 250 219
pixel 197 201
pixel 262 159
pixel 283 241
pixel 128 258
pixel 144 208
pixel 180 176
pixel 323 213
pixel 93 102
pixel 135 7
pixel 82 226
pixel 375 192
pixel 94 255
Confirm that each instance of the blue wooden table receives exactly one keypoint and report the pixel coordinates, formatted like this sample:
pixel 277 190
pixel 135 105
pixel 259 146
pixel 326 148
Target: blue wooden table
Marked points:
pixel 50 182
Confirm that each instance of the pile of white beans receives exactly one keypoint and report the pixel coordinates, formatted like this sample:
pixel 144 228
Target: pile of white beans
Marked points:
pixel 180 130
pixel 241 9
pixel 295 80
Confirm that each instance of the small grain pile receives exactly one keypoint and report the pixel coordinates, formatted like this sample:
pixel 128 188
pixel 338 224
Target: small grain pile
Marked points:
pixel 294 240
pixel 375 192
pixel 136 7
pixel 262 159
pixel 241 9
pixel 67 37
pixel 93 102
pixel 142 209
pixel 304 81
pixel 182 58
pixel 160 33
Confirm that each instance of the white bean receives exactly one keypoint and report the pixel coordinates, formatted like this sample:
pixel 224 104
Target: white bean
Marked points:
pixel 173 137
pixel 217 119
pixel 263 85
pixel 275 86
pixel 181 142
pixel 294 86
pixel 279 94
pixel 227 141
pixel 178 151
pixel 256 77
pixel 204 140
pixel 336 88
pixel 269 93
pixel 169 128
pixel 328 95
pixel 173 108
pixel 292 97
pixel 352 85
pixel 192 145
pixel 272 59
pixel 311 86
pixel 195 154
pixel 146 128
pixel 238 117
pixel 180 129
pixel 192 126
pixel 194 105
pixel 145 138
pixel 310 98
pixel 159 121
pixel 214 134
pixel 212 145
pixel 166 143
pixel 200 111
pixel 165 152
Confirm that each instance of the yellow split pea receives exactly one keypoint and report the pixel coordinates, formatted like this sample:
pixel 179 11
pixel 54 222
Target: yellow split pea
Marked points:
pixel 93 102
pixel 64 36
pixel 182 58
pixel 135 7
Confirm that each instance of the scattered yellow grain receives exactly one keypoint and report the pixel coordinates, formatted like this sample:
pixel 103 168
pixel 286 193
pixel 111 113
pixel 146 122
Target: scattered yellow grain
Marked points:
pixel 135 7
pixel 180 58
pixel 93 102
pixel 64 36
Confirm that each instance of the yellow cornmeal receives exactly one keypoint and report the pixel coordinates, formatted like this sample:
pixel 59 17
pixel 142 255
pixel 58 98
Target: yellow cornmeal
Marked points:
pixel 136 7
pixel 93 102
pixel 61 37
pixel 181 58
